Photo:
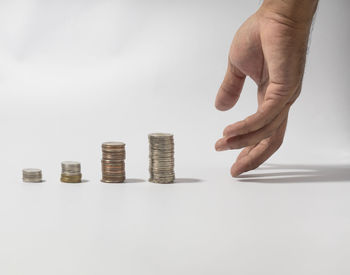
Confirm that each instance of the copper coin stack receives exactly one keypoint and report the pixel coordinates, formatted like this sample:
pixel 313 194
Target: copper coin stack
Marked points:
pixel 113 166
pixel 70 172
pixel 161 158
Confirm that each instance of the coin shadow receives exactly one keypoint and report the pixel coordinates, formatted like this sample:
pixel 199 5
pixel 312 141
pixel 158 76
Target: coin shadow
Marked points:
pixel 133 180
pixel 84 181
pixel 187 180
pixel 301 173
pixel 38 182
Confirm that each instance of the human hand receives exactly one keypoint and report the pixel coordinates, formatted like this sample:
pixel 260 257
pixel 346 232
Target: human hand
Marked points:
pixel 270 47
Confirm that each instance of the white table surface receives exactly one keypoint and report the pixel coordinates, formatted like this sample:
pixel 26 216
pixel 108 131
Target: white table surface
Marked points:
pixel 279 219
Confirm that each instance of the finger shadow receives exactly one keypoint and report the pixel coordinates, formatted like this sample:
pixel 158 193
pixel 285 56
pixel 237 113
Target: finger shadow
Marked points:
pixel 301 173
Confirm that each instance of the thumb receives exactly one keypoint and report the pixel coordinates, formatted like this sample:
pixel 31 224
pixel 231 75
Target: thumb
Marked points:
pixel 230 88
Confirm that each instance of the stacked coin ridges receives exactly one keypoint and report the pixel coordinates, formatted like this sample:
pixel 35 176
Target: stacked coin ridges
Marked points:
pixel 32 175
pixel 71 172
pixel 161 158
pixel 113 162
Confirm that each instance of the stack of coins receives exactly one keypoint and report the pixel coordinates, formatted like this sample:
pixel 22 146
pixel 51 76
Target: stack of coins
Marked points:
pixel 161 158
pixel 32 175
pixel 113 166
pixel 71 172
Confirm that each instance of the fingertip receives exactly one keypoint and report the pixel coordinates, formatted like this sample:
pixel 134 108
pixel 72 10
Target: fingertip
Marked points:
pixel 226 131
pixel 238 168
pixel 229 131
pixel 235 171
pixel 220 145
pixel 222 105
pixel 225 100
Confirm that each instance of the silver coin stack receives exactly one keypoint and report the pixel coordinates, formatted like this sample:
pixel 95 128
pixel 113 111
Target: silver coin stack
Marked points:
pixel 32 175
pixel 71 172
pixel 161 158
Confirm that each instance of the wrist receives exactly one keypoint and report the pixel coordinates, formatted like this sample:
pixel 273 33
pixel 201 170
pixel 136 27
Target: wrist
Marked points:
pixel 298 12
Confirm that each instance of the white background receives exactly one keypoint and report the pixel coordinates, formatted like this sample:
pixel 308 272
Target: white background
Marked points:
pixel 74 74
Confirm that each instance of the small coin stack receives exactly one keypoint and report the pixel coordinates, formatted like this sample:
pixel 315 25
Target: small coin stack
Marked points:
pixel 32 175
pixel 161 158
pixel 113 166
pixel 71 172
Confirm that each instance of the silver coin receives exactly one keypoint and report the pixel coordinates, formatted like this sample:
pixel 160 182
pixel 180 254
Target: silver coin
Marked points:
pixel 70 166
pixel 160 135
pixel 70 163
pixel 31 170
pixel 113 143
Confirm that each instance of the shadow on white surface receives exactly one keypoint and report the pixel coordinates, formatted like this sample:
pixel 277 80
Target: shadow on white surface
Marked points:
pixel 133 180
pixel 30 183
pixel 187 180
pixel 299 173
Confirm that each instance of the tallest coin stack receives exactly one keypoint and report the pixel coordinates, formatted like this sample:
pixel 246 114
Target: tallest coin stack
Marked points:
pixel 161 158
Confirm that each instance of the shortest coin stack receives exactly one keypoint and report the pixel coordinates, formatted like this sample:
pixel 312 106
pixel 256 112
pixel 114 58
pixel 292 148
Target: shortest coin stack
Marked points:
pixel 113 166
pixel 32 175
pixel 71 172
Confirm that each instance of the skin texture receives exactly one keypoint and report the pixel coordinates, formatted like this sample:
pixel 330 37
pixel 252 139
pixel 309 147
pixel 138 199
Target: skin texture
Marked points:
pixel 270 48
